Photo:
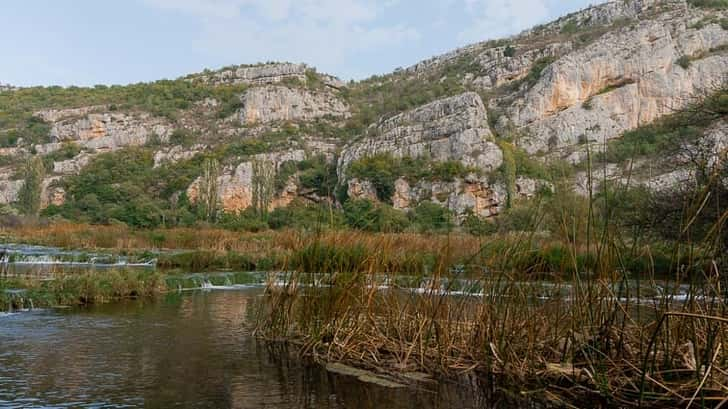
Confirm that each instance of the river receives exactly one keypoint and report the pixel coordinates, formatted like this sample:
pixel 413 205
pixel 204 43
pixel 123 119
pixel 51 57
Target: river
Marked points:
pixel 192 349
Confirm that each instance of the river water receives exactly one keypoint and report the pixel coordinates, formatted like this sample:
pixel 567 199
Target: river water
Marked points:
pixel 191 349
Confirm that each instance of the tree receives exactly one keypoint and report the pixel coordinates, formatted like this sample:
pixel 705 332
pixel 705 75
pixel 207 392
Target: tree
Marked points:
pixel 508 168
pixel 263 181
pixel 29 195
pixel 207 199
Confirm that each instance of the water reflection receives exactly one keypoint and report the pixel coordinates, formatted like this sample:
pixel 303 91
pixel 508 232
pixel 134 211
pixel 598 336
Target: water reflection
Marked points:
pixel 188 350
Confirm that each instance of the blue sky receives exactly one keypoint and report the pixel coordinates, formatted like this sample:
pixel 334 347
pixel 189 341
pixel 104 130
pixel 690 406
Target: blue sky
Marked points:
pixel 88 42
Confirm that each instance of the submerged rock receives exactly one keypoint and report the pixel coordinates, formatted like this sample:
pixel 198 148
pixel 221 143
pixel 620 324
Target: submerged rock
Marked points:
pixel 363 375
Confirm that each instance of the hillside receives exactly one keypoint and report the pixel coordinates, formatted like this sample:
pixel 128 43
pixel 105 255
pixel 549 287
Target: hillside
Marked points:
pixel 465 136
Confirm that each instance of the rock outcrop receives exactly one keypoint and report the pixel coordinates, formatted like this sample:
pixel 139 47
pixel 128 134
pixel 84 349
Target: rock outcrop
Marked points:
pixel 101 131
pixel 462 196
pixel 622 81
pixel 72 166
pixel 177 153
pixel 681 168
pixel 279 103
pixel 10 190
pixel 361 190
pixel 455 128
pixel 52 193
pixel 235 184
pixel 266 74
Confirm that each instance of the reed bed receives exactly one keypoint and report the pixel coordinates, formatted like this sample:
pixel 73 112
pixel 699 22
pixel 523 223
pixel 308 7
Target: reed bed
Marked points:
pixel 582 316
pixel 602 340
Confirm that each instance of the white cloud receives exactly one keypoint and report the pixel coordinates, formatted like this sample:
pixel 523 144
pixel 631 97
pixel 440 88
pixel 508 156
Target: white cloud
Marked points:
pixel 500 18
pixel 324 33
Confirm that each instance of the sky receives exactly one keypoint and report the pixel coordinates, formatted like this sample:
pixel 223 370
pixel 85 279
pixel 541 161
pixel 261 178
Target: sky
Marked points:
pixel 89 42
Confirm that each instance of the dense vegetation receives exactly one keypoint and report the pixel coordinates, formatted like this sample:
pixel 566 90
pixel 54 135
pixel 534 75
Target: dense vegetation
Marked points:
pixel 383 170
pixel 162 98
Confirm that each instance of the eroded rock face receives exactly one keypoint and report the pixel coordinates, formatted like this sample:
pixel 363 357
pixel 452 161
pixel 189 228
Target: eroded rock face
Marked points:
pixel 455 128
pixel 682 167
pixel 461 196
pixel 235 184
pixel 277 103
pixel 101 131
pixel 265 74
pixel 361 190
pixel 176 154
pixel 500 69
pixel 72 166
pixel 624 80
pixel 52 193
pixel 10 190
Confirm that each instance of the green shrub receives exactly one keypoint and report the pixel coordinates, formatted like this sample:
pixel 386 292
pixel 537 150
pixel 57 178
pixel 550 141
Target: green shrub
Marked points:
pixel 369 216
pixel 305 216
pixel 478 226
pixel 325 259
pixel 710 4
pixel 182 137
pixel 245 220
pixel 571 27
pixel 509 51
pixel 429 216
pixel 684 62
pixel 384 169
pixel 518 218
pixel 380 170
pixel 537 70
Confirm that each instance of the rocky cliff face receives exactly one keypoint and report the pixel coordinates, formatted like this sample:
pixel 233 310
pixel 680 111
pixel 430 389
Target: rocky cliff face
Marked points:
pixel 235 184
pixel 265 74
pixel 586 77
pixel 624 80
pixel 94 128
pixel 276 103
pixel 450 129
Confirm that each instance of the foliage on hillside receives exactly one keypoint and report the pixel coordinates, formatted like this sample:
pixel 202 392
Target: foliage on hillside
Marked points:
pixel 384 169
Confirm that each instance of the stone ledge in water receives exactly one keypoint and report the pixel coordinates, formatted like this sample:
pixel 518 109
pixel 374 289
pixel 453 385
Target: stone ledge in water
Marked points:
pixel 362 375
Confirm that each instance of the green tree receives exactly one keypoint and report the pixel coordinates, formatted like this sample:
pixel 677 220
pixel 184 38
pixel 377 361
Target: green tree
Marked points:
pixel 208 190
pixel 264 175
pixel 29 195
pixel 509 170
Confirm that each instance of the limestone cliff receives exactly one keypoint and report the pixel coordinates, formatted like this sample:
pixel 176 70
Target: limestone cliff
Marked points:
pixel 624 80
pixel 278 103
pixel 235 184
pixel 450 129
pixel 265 74
pixel 96 128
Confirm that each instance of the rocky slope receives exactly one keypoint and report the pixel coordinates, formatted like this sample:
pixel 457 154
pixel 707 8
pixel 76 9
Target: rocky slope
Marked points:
pixel 550 92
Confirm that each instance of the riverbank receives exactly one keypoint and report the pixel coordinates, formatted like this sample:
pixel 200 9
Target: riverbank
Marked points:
pixel 83 288
pixel 205 249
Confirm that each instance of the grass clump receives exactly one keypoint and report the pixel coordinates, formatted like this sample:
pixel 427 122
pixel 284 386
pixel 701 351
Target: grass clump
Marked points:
pixel 96 287
pixel 709 4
